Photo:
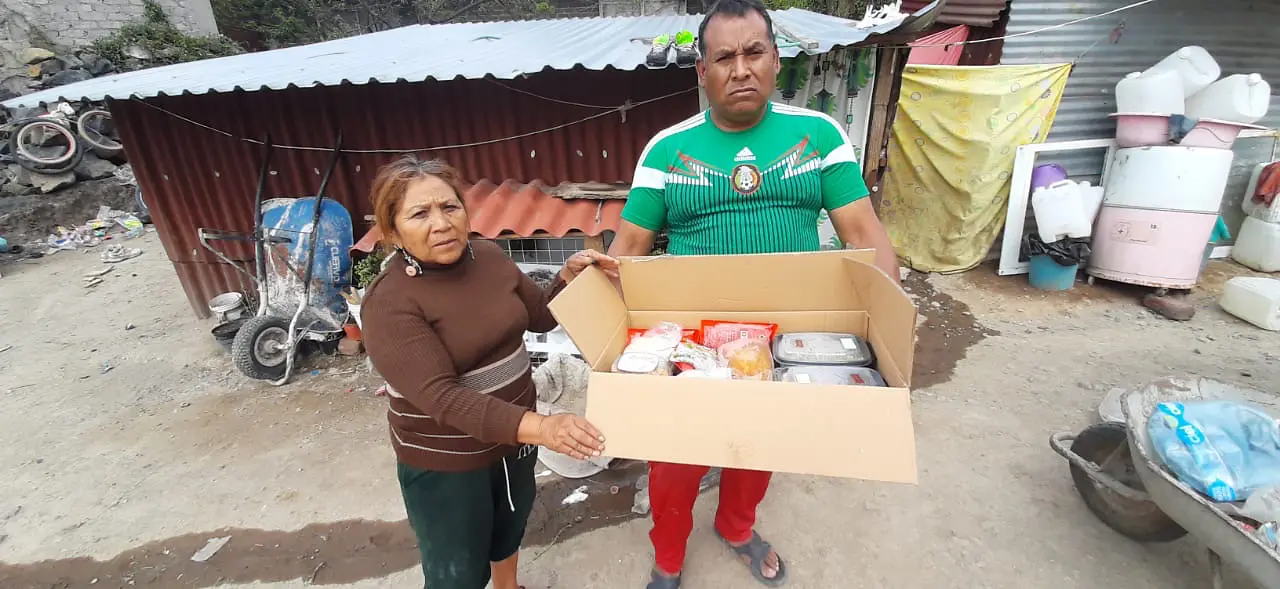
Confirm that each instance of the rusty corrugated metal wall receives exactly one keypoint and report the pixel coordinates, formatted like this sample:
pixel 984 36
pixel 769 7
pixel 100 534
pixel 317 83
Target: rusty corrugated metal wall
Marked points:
pixel 193 177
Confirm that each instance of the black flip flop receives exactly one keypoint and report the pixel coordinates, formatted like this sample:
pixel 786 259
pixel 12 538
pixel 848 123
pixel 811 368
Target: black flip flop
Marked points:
pixel 659 581
pixel 756 550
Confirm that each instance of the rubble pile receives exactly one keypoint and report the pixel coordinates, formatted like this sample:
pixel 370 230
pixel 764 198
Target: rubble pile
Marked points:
pixel 45 69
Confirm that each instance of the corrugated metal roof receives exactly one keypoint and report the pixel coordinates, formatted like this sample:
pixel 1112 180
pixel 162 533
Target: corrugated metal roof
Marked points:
pixel 193 177
pixel 978 13
pixel 503 50
pixel 526 210
pixel 933 50
pixel 515 209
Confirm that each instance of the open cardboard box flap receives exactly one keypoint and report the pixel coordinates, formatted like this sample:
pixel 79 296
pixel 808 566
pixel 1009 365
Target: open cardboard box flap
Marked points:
pixel 844 431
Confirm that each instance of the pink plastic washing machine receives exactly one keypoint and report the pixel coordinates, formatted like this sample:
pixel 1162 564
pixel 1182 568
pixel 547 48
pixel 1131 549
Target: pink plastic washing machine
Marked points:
pixel 1163 249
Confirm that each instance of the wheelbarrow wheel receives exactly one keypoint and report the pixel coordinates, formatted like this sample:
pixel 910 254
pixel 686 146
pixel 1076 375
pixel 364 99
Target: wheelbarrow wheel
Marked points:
pixel 261 348
pixel 1106 445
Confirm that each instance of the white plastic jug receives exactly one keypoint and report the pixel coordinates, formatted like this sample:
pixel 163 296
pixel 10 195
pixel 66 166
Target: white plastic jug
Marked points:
pixel 1090 201
pixel 1262 212
pixel 1059 212
pixel 1158 92
pixel 1257 245
pixel 1193 64
pixel 1239 99
pixel 1253 298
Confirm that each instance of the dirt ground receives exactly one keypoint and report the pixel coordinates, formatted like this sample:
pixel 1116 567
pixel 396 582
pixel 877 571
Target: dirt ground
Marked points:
pixel 128 441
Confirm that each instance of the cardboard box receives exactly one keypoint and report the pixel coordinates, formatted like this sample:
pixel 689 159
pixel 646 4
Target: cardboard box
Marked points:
pixel 839 431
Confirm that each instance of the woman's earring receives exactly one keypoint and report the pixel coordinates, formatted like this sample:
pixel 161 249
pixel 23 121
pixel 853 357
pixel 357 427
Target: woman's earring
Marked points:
pixel 411 265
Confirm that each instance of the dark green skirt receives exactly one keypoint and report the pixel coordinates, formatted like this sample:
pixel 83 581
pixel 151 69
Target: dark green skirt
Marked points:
pixel 466 520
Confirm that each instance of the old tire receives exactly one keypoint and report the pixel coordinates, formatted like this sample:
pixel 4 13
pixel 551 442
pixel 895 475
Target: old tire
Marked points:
pixel 260 349
pixel 40 163
pixel 1142 521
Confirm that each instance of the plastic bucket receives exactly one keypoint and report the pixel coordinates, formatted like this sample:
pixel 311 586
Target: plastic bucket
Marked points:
pixel 227 306
pixel 1046 274
pixel 1046 174
pixel 225 333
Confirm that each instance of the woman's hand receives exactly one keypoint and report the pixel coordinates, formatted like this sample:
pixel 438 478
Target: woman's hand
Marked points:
pixel 579 262
pixel 565 433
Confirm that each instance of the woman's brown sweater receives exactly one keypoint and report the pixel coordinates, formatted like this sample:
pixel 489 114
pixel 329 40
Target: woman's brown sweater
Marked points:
pixel 450 343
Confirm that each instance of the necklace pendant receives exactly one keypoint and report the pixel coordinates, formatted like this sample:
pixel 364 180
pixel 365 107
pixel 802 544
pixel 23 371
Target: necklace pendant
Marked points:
pixel 410 271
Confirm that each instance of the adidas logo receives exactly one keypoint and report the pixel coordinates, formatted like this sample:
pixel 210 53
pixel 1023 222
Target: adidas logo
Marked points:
pixel 745 155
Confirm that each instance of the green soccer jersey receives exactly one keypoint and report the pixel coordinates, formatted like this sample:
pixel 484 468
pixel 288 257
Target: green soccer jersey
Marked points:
pixel 754 191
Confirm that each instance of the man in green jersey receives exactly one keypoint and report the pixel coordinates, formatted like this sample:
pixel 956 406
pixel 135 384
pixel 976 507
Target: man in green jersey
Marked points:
pixel 747 176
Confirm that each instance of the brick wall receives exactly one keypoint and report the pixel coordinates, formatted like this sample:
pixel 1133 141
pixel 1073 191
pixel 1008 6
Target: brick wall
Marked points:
pixel 71 24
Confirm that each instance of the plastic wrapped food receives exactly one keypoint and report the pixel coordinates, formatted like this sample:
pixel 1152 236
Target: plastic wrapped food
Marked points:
pixel 691 356
pixel 835 375
pixel 719 333
pixel 822 348
pixel 718 373
pixel 659 340
pixel 642 363
pixel 747 359
pixel 689 335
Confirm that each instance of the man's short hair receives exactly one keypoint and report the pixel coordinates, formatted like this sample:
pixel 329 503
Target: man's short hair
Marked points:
pixel 736 8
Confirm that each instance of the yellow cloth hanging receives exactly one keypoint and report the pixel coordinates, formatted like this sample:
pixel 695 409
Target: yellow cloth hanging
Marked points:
pixel 951 155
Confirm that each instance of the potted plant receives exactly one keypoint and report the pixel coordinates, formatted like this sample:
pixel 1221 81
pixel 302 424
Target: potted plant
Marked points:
pixel 365 270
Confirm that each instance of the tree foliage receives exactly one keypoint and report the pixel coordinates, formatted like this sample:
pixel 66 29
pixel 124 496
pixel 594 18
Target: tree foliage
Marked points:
pixel 269 24
pixel 159 37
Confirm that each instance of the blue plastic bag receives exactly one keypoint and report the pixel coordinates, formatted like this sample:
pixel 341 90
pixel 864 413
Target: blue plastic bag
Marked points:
pixel 1224 449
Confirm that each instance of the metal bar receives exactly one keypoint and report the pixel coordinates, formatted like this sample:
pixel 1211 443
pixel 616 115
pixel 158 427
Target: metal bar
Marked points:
pixel 260 232
pixel 309 271
pixel 1060 442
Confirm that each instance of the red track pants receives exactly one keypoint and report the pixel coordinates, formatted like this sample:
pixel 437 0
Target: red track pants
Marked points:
pixel 673 488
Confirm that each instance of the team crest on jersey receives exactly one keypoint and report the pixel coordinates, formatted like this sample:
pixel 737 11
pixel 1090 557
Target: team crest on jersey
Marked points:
pixel 746 179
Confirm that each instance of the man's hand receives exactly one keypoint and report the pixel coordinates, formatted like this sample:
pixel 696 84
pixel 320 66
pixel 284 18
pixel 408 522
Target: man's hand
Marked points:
pixel 856 224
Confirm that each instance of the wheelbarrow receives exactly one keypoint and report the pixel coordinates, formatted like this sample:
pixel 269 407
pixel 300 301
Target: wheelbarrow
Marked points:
pixel 1113 468
pixel 300 267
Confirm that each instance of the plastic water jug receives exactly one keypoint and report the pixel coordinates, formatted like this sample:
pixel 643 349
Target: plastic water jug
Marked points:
pixel 1239 99
pixel 1157 92
pixel 1059 212
pixel 1257 245
pixel 1260 211
pixel 1253 298
pixel 1193 64
pixel 1090 200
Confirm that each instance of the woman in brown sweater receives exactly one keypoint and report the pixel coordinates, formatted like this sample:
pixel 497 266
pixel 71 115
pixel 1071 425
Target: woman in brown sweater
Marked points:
pixel 444 324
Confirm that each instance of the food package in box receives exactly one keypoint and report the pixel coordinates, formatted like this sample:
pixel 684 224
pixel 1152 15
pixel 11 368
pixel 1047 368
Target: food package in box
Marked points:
pixel 825 348
pixel 836 375
pixel 642 363
pixel 747 359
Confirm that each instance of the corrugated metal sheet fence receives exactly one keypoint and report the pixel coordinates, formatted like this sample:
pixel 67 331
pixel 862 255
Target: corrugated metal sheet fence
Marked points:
pixel 1239 33
pixel 193 177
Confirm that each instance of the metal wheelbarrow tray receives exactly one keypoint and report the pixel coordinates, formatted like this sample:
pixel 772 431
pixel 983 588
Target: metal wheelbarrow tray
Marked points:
pixel 1115 471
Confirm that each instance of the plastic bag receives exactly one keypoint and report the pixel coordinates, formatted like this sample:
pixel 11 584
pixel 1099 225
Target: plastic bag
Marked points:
pixel 1225 449
pixel 642 363
pixel 688 335
pixel 719 333
pixel 748 359
pixel 718 373
pixel 691 356
pixel 1263 505
pixel 659 340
